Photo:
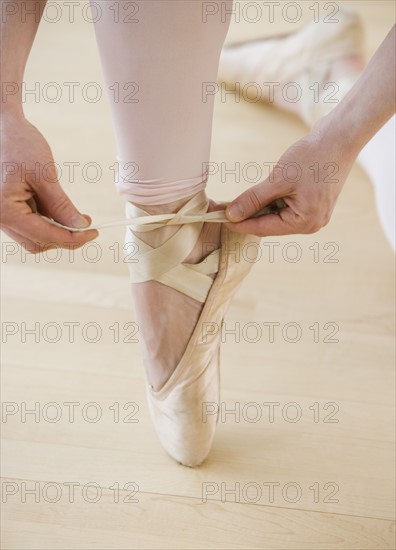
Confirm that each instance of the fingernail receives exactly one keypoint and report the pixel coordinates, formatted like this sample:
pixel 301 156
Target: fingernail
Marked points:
pixel 79 221
pixel 235 212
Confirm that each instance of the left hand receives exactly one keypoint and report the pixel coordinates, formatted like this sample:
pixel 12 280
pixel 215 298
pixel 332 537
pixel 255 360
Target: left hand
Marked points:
pixel 308 177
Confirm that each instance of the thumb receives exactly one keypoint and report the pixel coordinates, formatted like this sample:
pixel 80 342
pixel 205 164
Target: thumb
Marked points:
pixel 58 206
pixel 252 201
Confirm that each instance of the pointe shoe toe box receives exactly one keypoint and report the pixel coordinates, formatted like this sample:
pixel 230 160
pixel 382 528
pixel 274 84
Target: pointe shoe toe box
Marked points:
pixel 185 420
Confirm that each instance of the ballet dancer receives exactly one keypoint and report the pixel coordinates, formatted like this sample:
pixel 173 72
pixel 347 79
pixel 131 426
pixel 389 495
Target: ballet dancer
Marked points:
pixel 187 273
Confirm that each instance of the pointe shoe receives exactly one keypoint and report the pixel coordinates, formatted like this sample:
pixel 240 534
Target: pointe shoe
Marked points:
pixel 303 57
pixel 177 408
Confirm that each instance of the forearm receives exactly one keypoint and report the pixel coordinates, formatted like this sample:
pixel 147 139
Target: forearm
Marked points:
pixel 19 25
pixel 369 103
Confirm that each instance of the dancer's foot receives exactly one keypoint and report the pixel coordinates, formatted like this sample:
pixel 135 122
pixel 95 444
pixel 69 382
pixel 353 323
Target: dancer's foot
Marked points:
pixel 306 62
pixel 182 360
pixel 344 69
pixel 166 317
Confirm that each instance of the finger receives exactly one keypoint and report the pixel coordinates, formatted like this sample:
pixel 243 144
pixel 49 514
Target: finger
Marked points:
pixel 38 207
pixel 27 244
pixel 37 229
pixel 253 200
pixel 270 225
pixel 58 206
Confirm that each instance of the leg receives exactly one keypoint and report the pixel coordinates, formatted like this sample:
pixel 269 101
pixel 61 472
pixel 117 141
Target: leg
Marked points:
pixel 377 158
pixel 169 54
pixel 165 126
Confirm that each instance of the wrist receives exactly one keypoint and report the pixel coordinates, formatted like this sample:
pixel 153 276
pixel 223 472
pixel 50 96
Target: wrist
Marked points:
pixel 354 121
pixel 345 126
pixel 12 109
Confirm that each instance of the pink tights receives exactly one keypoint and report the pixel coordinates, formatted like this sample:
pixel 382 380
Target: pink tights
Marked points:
pixel 156 70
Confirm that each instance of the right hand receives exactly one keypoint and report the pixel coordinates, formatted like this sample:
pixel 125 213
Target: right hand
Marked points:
pixel 25 196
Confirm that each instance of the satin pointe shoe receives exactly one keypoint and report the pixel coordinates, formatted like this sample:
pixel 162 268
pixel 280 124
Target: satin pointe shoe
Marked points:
pixel 177 409
pixel 304 57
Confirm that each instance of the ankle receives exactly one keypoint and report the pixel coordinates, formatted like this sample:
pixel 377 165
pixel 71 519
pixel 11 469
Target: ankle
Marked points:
pixel 167 208
pixel 157 237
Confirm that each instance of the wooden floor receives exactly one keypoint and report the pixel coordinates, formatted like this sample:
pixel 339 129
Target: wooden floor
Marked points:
pixel 87 472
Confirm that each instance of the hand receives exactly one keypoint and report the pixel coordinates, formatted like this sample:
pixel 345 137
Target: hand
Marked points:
pixel 308 177
pixel 25 195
